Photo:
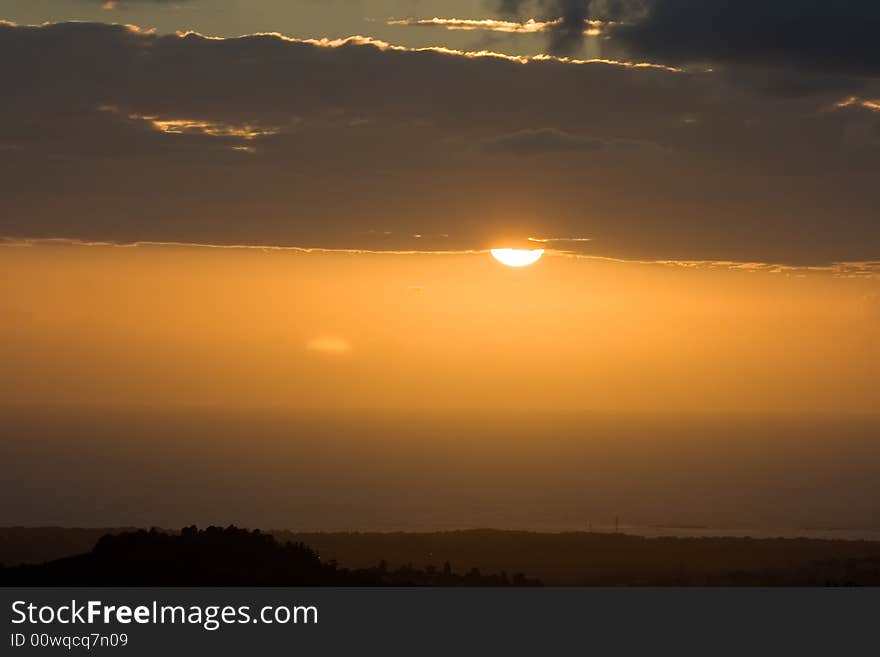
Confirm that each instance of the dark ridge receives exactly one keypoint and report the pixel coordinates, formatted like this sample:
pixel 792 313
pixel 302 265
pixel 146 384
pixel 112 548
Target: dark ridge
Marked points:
pixel 226 557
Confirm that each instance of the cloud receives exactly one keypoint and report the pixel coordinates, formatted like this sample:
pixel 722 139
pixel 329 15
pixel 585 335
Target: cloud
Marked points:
pixel 135 136
pixel 541 140
pixel 872 105
pixel 113 5
pixel 244 131
pixel 25 242
pixel 868 270
pixel 538 141
pixel 530 26
pixel 546 240
pixel 758 42
pixel 526 27
pixel 468 54
pixel 568 21
pixel 839 37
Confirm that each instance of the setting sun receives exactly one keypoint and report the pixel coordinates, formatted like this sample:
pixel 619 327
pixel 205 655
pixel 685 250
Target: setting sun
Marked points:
pixel 517 257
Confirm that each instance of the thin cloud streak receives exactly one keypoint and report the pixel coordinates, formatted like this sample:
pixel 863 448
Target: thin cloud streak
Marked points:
pixel 531 26
pixel 872 105
pixel 863 270
pixel 245 131
pixel 65 241
pixel 359 40
pixel 545 240
pixel 184 126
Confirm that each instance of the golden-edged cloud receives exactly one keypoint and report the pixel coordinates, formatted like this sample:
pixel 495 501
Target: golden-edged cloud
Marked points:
pixel 212 128
pixel 871 104
pixel 530 26
pixel 360 40
pixel 189 126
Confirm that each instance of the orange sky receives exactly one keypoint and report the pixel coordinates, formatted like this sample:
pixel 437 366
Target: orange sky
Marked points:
pixel 243 328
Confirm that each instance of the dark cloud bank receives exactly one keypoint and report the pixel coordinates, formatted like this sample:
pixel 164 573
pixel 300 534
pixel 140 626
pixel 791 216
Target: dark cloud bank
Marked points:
pixel 839 37
pixel 110 133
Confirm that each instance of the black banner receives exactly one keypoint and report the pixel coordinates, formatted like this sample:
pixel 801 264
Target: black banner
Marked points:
pixel 407 621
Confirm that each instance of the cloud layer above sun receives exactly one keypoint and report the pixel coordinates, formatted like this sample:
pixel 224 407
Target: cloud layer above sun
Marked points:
pixel 117 133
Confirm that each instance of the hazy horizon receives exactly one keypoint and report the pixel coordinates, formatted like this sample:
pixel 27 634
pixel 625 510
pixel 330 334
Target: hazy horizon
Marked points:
pixel 361 471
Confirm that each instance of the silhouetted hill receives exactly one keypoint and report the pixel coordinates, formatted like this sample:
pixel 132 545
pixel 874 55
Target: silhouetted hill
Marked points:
pixel 224 557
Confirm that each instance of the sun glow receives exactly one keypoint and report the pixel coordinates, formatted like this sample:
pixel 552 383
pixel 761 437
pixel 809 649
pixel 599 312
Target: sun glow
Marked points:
pixel 517 257
pixel 331 345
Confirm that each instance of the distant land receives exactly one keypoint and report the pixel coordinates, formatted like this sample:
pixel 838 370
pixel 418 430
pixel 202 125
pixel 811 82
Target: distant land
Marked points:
pixel 218 556
pixel 554 559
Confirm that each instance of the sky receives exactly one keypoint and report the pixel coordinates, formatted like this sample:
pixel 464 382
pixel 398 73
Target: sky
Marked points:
pixel 274 217
pixel 251 328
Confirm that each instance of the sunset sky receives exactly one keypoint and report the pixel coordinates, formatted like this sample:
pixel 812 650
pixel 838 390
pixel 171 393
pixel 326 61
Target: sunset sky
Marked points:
pixel 320 124
pixel 287 206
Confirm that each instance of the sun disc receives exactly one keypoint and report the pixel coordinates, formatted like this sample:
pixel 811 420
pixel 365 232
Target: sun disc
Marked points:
pixel 517 257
